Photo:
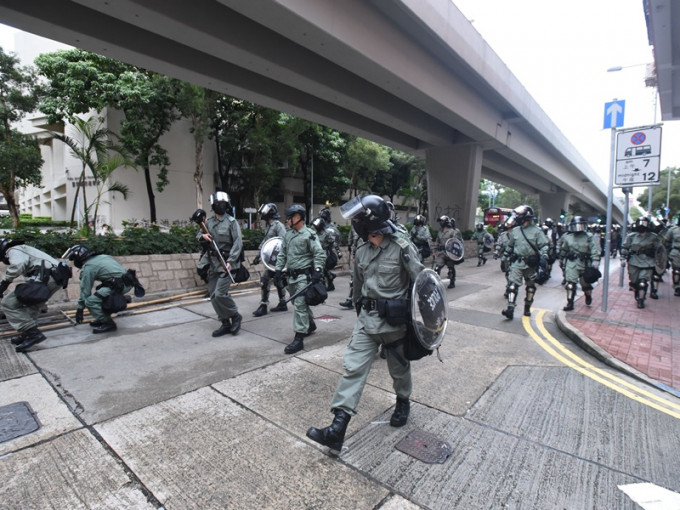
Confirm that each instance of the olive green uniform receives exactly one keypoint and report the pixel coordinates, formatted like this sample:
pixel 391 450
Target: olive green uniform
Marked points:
pixel 300 252
pixel 383 272
pixel 25 261
pixel 639 249
pixel 275 229
pixel 578 251
pixel 441 259
pixel 672 241
pixel 226 233
pixel 98 268
pixel 478 236
pixel 421 238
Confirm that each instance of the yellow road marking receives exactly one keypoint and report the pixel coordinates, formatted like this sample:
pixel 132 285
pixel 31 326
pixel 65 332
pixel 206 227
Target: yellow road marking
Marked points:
pixel 571 360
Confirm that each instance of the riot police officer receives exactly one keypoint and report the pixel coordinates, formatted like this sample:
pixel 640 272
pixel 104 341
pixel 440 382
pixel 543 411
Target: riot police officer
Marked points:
pixel 479 235
pixel 328 243
pixel 226 232
pixel 526 251
pixel 639 252
pixel 672 241
pixel 303 259
pixel 421 237
pixel 448 231
pixel 353 241
pixel 24 260
pixel 384 268
pixel 578 252
pixel 505 230
pixel 274 228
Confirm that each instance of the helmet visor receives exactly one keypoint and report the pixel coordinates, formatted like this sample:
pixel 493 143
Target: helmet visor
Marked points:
pixel 350 209
pixel 219 196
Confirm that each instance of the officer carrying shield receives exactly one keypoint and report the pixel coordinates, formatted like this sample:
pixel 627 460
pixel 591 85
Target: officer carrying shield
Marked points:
pixel 24 260
pixel 226 232
pixel 578 252
pixel 421 237
pixel 639 252
pixel 270 214
pixel 303 259
pixel 526 251
pixel 385 266
pixel 448 231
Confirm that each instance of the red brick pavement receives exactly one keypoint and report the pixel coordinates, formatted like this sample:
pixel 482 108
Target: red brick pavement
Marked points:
pixel 646 339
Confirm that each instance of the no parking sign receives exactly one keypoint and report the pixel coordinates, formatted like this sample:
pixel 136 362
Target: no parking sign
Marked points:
pixel 638 154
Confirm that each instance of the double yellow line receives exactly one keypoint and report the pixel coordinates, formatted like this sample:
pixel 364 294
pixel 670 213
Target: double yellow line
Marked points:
pixel 551 345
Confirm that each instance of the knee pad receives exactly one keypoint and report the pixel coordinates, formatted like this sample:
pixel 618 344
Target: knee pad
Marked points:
pixel 264 282
pixel 676 275
pixel 512 289
pixel 643 284
pixel 570 286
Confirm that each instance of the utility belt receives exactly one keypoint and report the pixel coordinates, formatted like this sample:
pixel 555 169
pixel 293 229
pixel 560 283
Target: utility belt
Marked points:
pixel 573 255
pixel 127 279
pixel 61 273
pixel 395 311
pixel 650 252
pixel 531 260
pixel 294 273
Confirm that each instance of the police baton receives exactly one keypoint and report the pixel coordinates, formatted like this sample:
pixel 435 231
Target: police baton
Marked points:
pixel 303 289
pixel 199 217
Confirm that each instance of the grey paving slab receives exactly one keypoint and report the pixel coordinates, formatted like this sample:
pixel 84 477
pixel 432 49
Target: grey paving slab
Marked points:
pixel 128 371
pixel 52 414
pixel 202 450
pixel 583 418
pixel 488 469
pixel 296 395
pixel 13 364
pixel 72 471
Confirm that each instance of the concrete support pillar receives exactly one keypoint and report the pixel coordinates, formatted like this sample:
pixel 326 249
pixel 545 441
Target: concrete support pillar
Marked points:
pixel 553 203
pixel 453 175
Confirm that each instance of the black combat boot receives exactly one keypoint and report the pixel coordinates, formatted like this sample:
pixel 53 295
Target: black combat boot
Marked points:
pixel 400 414
pixel 452 284
pixel 312 327
pixel 527 308
pixel 281 307
pixel 105 327
pixel 570 305
pixel 261 310
pixel 223 329
pixel 18 339
pixel 677 291
pixel 334 435
pixel 31 336
pixel 347 303
pixel 509 312
pixel 589 297
pixel 296 345
pixel 235 323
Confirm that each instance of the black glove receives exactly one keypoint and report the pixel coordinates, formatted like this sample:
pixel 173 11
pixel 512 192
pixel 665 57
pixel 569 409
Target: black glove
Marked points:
pixel 79 315
pixel 256 260
pixel 543 263
pixel 317 275
pixel 3 287
pixel 278 278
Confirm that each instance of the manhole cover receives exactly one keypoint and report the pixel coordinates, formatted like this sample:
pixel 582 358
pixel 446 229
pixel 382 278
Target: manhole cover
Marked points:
pixel 17 420
pixel 425 447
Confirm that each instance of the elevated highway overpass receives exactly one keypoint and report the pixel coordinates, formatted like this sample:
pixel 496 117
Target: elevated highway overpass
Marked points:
pixel 411 74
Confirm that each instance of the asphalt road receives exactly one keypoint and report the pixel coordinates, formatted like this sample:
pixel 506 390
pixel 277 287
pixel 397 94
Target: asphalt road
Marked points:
pixel 159 413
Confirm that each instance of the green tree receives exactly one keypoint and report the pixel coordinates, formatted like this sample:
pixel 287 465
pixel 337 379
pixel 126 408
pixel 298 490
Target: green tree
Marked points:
pixel 411 177
pixel 660 192
pixel 20 158
pixel 365 160
pixel 80 81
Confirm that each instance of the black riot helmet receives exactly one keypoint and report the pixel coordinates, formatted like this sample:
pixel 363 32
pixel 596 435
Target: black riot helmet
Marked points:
pixel 578 224
pixel 296 209
pixel 524 213
pixel 319 225
pixel 419 220
pixel 369 214
pixel 269 211
pixel 220 202
pixel 325 214
pixel 6 244
pixel 78 254
pixel 480 226
pixel 549 223
pixel 444 221
pixel 642 224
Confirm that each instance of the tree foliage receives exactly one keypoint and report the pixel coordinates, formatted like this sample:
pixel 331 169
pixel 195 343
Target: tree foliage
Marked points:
pixel 20 158
pixel 660 192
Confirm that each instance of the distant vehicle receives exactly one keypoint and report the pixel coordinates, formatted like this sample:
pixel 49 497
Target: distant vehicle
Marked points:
pixel 495 216
pixel 638 151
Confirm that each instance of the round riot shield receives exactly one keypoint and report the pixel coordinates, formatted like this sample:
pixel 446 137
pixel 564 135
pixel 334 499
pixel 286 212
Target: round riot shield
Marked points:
pixel 269 251
pixel 660 259
pixel 429 310
pixel 454 249
pixel 488 241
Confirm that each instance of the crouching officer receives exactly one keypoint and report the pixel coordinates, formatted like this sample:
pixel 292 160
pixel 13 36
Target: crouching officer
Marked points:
pixel 22 311
pixel 527 252
pixel 384 268
pixel 303 258
pixel 639 251
pixel 114 282
pixel 578 252
pixel 270 214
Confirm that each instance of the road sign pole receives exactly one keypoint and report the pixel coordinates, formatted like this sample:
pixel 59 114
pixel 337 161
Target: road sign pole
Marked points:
pixel 608 235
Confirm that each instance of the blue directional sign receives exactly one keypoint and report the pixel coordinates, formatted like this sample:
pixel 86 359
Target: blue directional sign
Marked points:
pixel 613 114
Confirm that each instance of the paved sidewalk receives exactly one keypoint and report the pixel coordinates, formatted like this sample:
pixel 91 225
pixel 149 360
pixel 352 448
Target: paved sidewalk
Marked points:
pixel 645 341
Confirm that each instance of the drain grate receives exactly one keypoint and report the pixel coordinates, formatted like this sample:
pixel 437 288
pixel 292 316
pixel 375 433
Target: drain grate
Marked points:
pixel 16 420
pixel 425 447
